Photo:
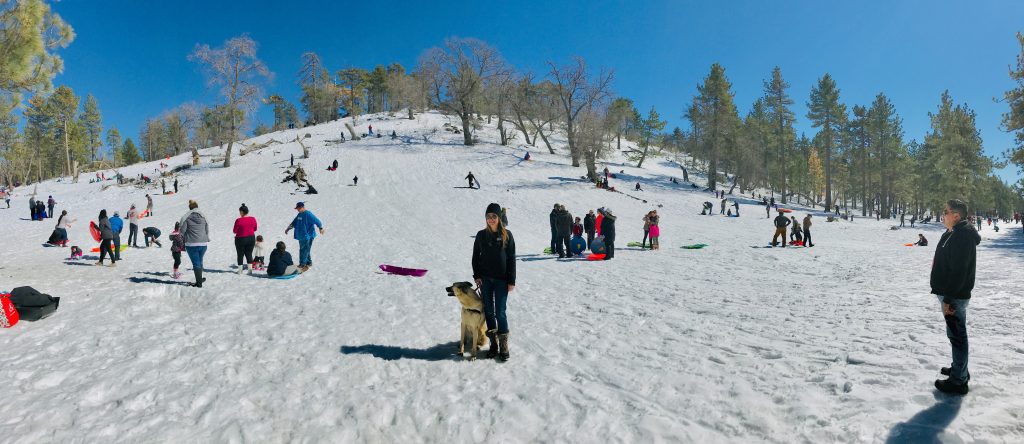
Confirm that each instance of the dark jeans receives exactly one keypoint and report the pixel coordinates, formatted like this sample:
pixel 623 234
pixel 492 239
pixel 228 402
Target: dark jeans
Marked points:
pixel 590 239
pixel 609 246
pixel 133 235
pixel 562 244
pixel 807 238
pixel 177 259
pixel 956 331
pixel 643 243
pixel 105 250
pixel 495 295
pixel 243 247
pixel 554 240
pixel 50 214
pixel 116 254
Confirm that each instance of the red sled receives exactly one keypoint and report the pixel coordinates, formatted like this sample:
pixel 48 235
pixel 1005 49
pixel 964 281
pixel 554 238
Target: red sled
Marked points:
pixel 402 271
pixel 595 257
pixel 94 231
pixel 8 314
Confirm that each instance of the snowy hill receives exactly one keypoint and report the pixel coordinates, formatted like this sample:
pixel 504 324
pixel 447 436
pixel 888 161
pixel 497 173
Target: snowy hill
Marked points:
pixel 836 343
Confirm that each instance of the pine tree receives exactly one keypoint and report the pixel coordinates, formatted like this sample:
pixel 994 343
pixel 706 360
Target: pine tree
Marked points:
pixel 620 114
pixel 715 120
pixel 777 103
pixel 649 129
pixel 955 153
pixel 62 106
pixel 129 154
pixel 886 143
pixel 29 30
pixel 114 143
pixel 816 174
pixel 1013 120
pixel 825 112
pixel 91 122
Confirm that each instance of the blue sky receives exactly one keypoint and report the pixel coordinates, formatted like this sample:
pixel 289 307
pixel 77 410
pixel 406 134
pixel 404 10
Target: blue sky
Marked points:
pixel 132 54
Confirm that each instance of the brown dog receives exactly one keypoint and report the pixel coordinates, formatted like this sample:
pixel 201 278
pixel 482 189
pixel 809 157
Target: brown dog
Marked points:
pixel 473 331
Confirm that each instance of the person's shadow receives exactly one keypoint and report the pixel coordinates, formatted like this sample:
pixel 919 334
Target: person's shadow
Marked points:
pixel 928 424
pixel 439 352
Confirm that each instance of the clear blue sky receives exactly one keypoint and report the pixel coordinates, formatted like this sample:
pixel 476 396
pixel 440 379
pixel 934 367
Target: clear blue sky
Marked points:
pixel 132 54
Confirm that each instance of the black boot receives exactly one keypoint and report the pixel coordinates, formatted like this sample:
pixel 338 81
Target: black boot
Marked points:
pixel 493 350
pixel 947 386
pixel 503 347
pixel 946 371
pixel 199 278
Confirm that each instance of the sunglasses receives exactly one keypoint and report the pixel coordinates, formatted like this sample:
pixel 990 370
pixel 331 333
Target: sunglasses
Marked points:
pixel 492 216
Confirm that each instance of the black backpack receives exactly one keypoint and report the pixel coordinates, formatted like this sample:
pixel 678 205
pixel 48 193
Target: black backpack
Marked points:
pixel 33 305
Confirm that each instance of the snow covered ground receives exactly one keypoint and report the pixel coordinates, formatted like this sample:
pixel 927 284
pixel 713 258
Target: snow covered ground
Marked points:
pixel 836 343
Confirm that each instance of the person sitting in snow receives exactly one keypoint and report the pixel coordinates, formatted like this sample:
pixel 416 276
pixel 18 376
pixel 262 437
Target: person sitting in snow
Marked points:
pixel 280 263
pixel 638 187
pixel 921 241
pixel 796 236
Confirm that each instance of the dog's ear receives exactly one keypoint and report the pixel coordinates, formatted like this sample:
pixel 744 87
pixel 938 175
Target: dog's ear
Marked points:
pixel 464 284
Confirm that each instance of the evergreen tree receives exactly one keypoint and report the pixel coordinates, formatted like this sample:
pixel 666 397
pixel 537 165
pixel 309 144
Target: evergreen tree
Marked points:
pixel 114 143
pixel 955 153
pixel 91 121
pixel 621 115
pixel 886 141
pixel 825 112
pixel 715 120
pixel 1013 120
pixel 777 103
pixel 29 31
pixel 129 154
pixel 649 130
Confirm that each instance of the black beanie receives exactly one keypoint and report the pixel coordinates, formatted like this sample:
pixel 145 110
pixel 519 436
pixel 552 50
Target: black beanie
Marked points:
pixel 493 208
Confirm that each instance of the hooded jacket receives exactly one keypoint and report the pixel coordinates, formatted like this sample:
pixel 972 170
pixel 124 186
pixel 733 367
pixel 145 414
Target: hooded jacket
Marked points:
pixel 955 262
pixel 493 260
pixel 194 229
pixel 563 223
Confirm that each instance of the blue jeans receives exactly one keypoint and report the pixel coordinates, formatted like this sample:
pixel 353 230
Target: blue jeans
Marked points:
pixel 195 254
pixel 495 294
pixel 304 254
pixel 956 331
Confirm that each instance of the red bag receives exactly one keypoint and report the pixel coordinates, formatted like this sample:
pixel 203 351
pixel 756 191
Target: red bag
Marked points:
pixel 8 314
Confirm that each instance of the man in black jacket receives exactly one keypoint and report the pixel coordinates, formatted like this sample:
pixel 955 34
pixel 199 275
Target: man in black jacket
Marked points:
pixel 554 231
pixel 608 232
pixel 589 223
pixel 781 221
pixel 563 229
pixel 952 279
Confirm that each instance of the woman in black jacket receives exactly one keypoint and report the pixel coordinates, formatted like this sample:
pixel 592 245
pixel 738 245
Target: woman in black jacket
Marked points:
pixel 106 237
pixel 494 269
pixel 608 232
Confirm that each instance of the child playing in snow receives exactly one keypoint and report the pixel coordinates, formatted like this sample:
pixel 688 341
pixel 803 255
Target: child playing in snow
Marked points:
pixel 177 246
pixel 76 253
pixel 257 252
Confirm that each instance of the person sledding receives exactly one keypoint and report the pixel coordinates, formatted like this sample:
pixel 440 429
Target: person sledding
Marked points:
pixel 334 166
pixel 60 232
pixel 781 222
pixel 471 179
pixel 280 262
pixel 795 234
pixel 637 188
pixel 921 241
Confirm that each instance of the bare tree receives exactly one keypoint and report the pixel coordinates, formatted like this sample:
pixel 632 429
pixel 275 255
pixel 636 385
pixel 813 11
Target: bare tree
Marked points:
pixel 594 131
pixel 464 65
pixel 542 110
pixel 239 73
pixel 576 92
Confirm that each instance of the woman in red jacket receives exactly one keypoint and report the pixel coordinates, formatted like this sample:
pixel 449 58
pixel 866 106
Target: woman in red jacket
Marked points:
pixel 245 236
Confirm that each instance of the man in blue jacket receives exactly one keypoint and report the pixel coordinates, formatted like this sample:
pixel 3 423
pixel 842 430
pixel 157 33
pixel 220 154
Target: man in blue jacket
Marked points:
pixel 116 225
pixel 305 225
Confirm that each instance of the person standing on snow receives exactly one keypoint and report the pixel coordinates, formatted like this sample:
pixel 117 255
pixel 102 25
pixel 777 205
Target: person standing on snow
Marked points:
pixel 117 225
pixel 106 235
pixel 149 205
pixel 305 225
pixel 553 222
pixel 563 228
pixel 647 230
pixel 952 279
pixel 195 233
pixel 807 231
pixel 177 246
pixel 175 185
pixel 494 271
pixel 32 207
pixel 471 179
pixel 608 232
pixel 781 222
pixel 133 227
pixel 50 203
pixel 245 237
pixel 589 223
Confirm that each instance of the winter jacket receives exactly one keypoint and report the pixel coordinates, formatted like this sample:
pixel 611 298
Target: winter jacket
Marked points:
pixel 105 232
pixel 553 220
pixel 588 223
pixel 954 264
pixel 807 222
pixel 577 229
pixel 64 222
pixel 654 221
pixel 647 223
pixel 133 216
pixel 608 228
pixel 782 221
pixel 278 262
pixel 116 224
pixel 493 260
pixel 563 223
pixel 257 251
pixel 305 225
pixel 152 232
pixel 194 229
pixel 245 226
pixel 177 242
pixel 50 202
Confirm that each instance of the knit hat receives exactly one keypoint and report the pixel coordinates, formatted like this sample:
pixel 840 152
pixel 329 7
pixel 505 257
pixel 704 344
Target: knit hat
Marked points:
pixel 608 212
pixel 493 208
pixel 300 205
pixel 244 209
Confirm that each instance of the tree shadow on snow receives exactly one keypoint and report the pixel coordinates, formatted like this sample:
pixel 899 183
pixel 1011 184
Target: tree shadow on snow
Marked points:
pixel 927 425
pixel 80 263
pixel 146 280
pixel 440 352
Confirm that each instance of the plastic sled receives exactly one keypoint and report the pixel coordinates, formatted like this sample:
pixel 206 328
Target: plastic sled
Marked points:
pixel 577 245
pixel 597 246
pixel 785 210
pixel 595 257
pixel 402 271
pixel 94 231
pixel 285 276
pixel 549 251
pixel 97 249
pixel 908 245
pixel 635 244
pixel 694 246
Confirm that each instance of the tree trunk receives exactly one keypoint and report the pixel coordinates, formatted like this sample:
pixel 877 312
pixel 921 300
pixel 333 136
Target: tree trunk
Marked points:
pixel 643 156
pixel 67 148
pixel 467 136
pixel 410 114
pixel 570 136
pixel 545 139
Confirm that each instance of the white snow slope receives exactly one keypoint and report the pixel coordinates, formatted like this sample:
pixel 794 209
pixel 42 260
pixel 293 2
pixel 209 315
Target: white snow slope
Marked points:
pixel 836 343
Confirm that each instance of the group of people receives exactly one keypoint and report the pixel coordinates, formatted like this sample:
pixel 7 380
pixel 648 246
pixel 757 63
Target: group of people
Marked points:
pixel 564 227
pixel 38 208
pixel 799 235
